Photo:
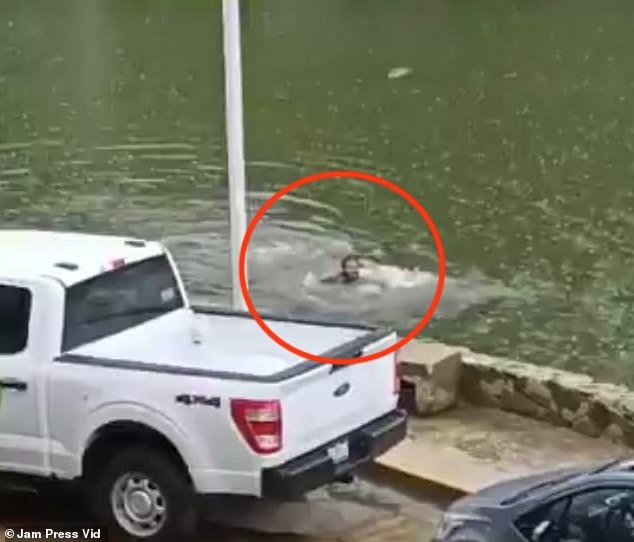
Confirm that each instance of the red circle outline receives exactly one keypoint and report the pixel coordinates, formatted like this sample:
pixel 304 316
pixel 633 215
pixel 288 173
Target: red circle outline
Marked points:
pixel 355 175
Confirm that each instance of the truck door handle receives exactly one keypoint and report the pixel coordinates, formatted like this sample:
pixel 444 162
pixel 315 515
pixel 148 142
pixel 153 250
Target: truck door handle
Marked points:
pixel 13 384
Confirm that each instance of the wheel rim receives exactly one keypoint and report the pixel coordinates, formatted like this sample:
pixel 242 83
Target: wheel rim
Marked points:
pixel 138 504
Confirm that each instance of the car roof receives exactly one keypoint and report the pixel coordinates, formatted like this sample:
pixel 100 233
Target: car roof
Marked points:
pixel 69 257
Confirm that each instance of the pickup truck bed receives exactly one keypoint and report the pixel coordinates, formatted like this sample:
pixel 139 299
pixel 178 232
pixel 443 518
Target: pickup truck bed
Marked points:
pixel 220 341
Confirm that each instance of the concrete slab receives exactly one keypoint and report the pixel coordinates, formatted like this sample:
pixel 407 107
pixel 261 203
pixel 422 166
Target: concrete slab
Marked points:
pixel 469 448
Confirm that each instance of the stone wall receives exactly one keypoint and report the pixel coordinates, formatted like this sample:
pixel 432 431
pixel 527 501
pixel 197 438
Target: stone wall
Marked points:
pixel 559 397
pixel 440 376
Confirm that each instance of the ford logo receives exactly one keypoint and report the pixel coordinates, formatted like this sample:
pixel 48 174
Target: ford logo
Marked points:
pixel 342 390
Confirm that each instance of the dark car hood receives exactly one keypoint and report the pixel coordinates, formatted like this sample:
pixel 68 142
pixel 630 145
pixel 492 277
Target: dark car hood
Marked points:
pixel 494 495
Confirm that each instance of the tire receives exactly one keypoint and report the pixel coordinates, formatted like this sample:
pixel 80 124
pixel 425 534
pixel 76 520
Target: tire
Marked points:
pixel 153 488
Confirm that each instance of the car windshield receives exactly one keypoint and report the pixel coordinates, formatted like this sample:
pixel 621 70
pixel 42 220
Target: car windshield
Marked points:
pixel 547 483
pixel 118 300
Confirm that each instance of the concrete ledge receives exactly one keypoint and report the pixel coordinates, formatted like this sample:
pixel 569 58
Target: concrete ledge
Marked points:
pixel 413 484
pixel 432 372
pixel 449 472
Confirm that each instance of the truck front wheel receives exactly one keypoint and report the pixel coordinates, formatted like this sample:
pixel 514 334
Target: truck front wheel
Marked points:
pixel 142 495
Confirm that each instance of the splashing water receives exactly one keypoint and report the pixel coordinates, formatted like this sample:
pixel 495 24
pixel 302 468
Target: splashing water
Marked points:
pixel 290 271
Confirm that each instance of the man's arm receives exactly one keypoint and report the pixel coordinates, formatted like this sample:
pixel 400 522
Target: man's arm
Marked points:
pixel 332 279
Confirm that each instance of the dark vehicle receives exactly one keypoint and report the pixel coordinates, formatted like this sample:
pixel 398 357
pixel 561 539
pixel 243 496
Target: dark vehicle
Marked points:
pixel 570 505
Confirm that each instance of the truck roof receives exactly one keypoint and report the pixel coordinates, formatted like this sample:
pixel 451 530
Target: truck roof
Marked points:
pixel 70 257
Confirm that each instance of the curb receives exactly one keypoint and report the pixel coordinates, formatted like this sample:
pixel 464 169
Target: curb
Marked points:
pixel 414 485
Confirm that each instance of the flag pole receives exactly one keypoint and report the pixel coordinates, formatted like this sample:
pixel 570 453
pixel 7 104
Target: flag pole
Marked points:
pixel 235 139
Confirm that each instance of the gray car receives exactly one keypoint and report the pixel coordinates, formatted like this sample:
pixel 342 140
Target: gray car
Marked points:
pixel 593 504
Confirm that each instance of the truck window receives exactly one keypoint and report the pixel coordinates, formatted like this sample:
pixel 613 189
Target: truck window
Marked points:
pixel 15 314
pixel 120 299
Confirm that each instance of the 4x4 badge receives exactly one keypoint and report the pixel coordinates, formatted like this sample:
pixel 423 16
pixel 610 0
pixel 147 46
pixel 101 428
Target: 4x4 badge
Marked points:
pixel 188 400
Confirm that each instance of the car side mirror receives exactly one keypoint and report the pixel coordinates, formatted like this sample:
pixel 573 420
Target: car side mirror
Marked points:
pixel 539 532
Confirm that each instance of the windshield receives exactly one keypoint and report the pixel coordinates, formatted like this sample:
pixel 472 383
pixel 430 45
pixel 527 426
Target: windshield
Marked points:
pixel 547 483
pixel 119 299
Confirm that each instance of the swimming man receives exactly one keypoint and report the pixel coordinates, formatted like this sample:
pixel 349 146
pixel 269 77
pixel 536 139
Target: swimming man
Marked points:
pixel 350 271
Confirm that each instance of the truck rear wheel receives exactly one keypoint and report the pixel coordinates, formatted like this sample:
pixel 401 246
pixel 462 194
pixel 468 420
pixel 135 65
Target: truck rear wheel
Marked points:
pixel 143 495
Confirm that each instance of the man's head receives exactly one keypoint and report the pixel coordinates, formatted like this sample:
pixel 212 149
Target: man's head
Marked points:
pixel 350 266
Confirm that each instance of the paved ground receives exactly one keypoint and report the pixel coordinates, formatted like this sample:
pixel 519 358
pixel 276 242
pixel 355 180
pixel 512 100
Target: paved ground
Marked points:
pixel 464 449
pixel 470 448
pixel 363 512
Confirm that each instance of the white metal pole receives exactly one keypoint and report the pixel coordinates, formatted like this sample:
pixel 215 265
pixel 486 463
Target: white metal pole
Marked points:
pixel 235 139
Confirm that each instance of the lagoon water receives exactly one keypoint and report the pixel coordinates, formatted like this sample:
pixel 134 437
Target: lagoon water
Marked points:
pixel 512 122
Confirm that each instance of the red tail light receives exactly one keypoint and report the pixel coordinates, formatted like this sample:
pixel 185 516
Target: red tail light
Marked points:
pixel 397 374
pixel 117 264
pixel 260 423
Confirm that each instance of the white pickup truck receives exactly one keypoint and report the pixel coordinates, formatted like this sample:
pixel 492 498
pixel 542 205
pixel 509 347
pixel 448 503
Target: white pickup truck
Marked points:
pixel 109 378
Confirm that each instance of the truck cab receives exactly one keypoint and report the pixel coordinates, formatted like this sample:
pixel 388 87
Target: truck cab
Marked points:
pixel 41 280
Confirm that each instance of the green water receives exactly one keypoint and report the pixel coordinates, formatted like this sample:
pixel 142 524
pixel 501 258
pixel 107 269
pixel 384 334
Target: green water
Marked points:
pixel 515 130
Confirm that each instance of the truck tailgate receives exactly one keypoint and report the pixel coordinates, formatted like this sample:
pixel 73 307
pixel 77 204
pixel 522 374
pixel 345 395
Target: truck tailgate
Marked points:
pixel 335 399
